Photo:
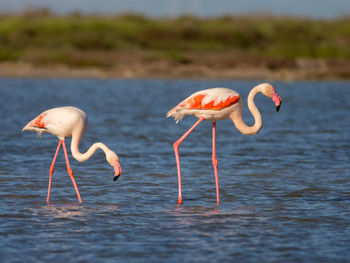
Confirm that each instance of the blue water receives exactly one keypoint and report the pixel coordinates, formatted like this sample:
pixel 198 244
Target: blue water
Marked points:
pixel 285 193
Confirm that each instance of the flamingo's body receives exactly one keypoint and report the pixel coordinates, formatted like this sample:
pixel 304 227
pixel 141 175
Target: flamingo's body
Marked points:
pixel 65 122
pixel 218 104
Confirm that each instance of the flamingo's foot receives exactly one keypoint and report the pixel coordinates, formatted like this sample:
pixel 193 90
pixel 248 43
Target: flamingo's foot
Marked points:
pixel 179 201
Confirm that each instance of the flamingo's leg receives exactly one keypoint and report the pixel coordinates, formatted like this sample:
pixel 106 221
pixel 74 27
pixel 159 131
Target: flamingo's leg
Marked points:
pixel 215 164
pixel 176 150
pixel 69 170
pixel 52 169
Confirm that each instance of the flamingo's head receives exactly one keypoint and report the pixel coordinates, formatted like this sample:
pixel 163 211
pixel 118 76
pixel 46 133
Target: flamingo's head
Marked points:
pixel 113 160
pixel 269 91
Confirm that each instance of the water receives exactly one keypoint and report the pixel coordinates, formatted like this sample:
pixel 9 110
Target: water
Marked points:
pixel 285 193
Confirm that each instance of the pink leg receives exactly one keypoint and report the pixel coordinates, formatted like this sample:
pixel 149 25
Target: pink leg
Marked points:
pixel 69 170
pixel 51 170
pixel 176 149
pixel 215 164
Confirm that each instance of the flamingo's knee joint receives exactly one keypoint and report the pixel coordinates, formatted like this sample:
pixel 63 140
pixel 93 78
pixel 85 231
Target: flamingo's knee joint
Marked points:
pixel 176 146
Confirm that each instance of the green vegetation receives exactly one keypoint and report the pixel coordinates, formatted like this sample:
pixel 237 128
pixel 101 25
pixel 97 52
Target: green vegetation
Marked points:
pixel 77 40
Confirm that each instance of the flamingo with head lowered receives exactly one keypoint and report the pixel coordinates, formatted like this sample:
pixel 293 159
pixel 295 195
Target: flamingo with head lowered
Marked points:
pixel 65 122
pixel 218 104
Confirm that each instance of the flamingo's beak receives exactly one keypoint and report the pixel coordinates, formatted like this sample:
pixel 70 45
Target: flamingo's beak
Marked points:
pixel 117 171
pixel 278 107
pixel 277 100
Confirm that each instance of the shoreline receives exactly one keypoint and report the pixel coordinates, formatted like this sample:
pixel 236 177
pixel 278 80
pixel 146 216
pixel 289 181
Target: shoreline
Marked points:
pixel 166 70
pixel 41 44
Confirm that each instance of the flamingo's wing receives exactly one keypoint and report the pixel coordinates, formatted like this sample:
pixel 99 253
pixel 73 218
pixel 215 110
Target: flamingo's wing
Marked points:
pixel 209 102
pixel 210 99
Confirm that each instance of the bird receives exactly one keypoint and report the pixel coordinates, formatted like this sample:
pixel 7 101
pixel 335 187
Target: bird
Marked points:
pixel 217 104
pixel 64 122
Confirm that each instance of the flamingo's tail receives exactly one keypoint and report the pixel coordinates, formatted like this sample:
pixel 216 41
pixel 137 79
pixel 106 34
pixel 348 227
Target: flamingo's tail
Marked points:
pixel 36 125
pixel 176 113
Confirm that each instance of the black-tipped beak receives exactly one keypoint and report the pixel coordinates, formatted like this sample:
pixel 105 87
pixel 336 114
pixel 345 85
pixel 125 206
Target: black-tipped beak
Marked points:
pixel 278 107
pixel 277 100
pixel 117 171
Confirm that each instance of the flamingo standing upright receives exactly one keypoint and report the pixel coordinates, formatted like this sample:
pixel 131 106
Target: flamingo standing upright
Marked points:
pixel 218 104
pixel 65 122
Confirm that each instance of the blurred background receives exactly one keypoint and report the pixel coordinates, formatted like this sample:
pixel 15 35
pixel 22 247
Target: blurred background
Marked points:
pixel 273 39
pixel 313 8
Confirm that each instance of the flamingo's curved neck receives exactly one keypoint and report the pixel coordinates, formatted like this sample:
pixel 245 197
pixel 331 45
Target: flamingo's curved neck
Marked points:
pixel 237 116
pixel 82 157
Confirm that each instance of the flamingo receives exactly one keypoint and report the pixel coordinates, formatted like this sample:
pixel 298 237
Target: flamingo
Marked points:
pixel 65 122
pixel 218 104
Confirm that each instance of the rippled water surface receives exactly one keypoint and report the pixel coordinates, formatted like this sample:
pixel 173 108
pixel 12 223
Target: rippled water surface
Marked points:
pixel 285 193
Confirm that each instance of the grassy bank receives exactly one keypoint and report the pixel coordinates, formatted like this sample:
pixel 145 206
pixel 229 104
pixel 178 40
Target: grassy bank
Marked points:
pixel 109 43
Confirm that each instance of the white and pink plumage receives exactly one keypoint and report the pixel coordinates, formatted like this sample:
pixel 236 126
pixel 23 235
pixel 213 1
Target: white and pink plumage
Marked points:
pixel 65 122
pixel 218 104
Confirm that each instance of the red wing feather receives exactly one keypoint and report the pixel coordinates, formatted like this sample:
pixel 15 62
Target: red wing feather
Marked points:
pixel 196 102
pixel 38 122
